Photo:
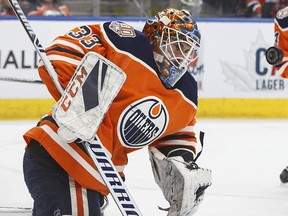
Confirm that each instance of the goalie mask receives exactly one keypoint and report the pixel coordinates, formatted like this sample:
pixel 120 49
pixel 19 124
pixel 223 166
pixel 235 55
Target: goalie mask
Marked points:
pixel 175 40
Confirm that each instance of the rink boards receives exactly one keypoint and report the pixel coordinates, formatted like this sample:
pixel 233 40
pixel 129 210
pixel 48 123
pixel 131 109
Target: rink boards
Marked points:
pixel 234 79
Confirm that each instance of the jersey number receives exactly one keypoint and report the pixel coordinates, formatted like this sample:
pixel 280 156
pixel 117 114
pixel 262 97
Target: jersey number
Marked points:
pixel 83 34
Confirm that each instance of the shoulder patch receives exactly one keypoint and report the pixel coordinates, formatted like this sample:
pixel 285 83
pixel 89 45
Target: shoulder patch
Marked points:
pixel 122 29
pixel 127 39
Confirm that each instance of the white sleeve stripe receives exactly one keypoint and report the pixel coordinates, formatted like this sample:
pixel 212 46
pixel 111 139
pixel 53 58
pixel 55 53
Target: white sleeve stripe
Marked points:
pixel 179 142
pixel 186 129
pixel 73 195
pixel 61 58
pixel 85 201
pixel 68 44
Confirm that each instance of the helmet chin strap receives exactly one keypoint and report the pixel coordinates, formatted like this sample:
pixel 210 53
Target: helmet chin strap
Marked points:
pixel 160 58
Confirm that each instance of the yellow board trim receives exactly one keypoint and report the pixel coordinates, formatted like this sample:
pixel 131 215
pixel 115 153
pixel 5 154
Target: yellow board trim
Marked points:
pixel 208 108
pixel 242 108
pixel 24 108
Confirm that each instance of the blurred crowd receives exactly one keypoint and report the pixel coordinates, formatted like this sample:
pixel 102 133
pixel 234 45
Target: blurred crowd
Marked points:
pixel 256 8
pixel 235 8
pixel 37 8
pixel 198 8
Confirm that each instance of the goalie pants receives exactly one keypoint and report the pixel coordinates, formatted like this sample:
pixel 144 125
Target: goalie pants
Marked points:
pixel 54 192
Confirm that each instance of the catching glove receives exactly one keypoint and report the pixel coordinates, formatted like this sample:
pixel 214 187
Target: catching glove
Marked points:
pixel 183 183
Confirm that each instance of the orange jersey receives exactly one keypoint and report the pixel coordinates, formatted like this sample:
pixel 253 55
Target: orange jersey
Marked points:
pixel 143 113
pixel 281 39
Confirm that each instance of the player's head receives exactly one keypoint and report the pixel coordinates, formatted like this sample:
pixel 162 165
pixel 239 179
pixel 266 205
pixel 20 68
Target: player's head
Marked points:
pixel 175 40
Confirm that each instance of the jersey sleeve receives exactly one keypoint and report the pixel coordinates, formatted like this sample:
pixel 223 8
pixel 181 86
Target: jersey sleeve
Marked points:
pixel 66 53
pixel 184 138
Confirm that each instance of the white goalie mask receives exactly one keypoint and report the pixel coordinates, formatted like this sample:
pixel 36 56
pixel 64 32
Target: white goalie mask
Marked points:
pixel 175 40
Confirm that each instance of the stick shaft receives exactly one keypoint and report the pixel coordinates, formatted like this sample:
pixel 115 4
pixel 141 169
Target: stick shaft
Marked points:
pixel 13 79
pixel 120 193
pixel 41 52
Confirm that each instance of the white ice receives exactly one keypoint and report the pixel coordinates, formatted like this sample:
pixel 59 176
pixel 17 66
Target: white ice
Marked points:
pixel 245 156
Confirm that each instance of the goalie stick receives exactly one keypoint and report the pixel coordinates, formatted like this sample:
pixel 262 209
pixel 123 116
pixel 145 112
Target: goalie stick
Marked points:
pixel 15 211
pixel 99 155
pixel 13 79
pixel 41 52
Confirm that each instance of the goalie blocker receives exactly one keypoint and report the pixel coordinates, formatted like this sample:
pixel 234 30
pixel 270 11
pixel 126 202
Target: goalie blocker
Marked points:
pixel 87 97
pixel 183 183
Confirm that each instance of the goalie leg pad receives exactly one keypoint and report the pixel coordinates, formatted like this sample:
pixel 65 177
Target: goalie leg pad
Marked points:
pixel 183 184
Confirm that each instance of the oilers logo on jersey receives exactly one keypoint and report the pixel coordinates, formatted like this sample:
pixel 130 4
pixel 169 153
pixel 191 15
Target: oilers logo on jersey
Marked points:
pixel 142 122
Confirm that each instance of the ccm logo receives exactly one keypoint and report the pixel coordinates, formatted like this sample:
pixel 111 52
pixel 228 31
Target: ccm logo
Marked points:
pixel 73 89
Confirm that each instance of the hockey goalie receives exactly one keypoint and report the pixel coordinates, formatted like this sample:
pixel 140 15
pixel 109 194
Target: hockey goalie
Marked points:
pixel 131 87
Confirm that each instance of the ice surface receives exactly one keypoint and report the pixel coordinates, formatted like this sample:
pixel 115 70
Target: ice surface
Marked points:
pixel 246 157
